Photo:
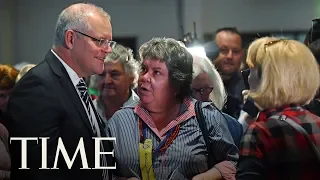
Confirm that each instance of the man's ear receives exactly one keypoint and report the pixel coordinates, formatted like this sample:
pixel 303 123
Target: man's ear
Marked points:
pixel 69 38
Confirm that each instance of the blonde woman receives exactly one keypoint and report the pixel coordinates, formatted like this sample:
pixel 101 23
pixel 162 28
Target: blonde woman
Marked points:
pixel 284 76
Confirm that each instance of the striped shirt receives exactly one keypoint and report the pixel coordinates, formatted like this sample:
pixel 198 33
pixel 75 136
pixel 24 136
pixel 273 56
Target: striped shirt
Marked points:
pixel 133 100
pixel 186 156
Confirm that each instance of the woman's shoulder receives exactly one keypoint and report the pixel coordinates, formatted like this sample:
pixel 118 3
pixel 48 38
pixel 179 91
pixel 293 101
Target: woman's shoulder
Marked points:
pixel 4 134
pixel 3 131
pixel 123 116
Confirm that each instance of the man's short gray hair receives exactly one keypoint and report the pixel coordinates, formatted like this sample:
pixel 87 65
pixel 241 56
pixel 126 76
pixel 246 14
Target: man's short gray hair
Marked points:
pixel 125 57
pixel 75 17
pixel 203 64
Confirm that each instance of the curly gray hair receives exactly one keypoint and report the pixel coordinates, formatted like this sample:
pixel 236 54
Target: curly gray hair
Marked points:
pixel 177 59
pixel 125 57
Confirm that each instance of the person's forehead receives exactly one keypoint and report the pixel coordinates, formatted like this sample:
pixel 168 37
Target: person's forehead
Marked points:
pixel 113 65
pixel 100 25
pixel 226 38
pixel 155 63
pixel 202 79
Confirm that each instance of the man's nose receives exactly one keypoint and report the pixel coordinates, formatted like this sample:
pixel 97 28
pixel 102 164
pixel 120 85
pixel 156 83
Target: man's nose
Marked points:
pixel 230 54
pixel 107 79
pixel 107 49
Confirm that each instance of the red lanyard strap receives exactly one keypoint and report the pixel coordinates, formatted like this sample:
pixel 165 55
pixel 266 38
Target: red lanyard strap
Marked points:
pixel 164 144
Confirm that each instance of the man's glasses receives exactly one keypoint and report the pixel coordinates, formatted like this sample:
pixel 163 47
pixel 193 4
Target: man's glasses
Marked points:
pixel 202 91
pixel 100 42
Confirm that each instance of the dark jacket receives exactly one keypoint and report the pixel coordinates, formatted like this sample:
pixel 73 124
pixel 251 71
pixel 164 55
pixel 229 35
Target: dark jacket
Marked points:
pixel 45 103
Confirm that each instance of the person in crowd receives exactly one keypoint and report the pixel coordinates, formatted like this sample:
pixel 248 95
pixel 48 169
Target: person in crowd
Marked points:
pixel 24 70
pixel 250 111
pixel 312 40
pixel 8 76
pixel 314 105
pixel 228 64
pixel 172 146
pixel 116 83
pixel 52 101
pixel 207 86
pixel 280 75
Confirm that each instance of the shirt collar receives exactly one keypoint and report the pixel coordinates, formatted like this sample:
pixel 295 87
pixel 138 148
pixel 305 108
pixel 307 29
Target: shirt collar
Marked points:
pixel 131 102
pixel 72 74
pixel 186 112
pixel 133 99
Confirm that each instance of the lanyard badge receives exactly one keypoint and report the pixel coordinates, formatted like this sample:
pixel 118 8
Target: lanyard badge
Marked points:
pixel 145 152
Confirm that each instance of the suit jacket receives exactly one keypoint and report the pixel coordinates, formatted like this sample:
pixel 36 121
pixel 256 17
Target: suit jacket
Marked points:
pixel 44 103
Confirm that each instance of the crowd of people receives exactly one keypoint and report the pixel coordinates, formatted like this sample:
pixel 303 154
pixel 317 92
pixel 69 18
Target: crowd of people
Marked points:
pixel 175 114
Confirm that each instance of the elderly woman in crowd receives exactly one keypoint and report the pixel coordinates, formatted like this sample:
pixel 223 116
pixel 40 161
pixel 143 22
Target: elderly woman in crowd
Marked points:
pixel 284 76
pixel 116 83
pixel 8 77
pixel 160 138
pixel 207 85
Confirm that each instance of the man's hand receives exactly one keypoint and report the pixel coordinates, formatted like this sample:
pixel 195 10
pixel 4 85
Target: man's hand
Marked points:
pixel 200 177
pixel 211 174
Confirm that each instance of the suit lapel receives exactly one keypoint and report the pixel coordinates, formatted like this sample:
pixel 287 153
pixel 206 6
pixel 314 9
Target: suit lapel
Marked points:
pixel 68 87
pixel 73 95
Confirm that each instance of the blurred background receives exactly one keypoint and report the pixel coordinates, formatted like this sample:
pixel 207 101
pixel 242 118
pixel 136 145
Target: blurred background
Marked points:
pixel 27 26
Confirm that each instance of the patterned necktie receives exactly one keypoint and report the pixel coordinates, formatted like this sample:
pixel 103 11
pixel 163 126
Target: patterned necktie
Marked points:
pixel 86 99
pixel 83 90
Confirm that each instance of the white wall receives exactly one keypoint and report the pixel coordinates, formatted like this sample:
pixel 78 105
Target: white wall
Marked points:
pixel 29 35
pixel 6 32
pixel 193 13
pixel 258 15
pixel 142 18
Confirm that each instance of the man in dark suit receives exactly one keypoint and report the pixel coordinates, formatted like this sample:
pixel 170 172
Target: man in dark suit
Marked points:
pixel 52 101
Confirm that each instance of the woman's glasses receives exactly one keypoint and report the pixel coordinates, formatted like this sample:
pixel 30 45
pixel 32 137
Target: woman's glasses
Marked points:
pixel 202 91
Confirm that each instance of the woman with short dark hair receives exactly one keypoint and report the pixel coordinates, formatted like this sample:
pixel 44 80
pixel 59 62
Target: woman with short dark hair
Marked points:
pixel 160 138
